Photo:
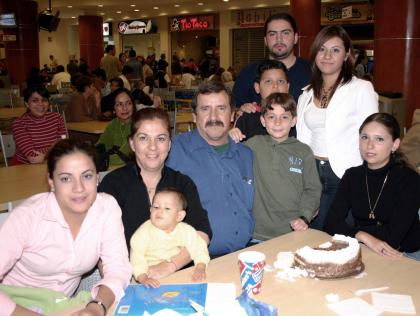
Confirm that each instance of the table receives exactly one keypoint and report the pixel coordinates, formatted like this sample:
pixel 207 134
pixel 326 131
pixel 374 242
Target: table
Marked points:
pixel 90 130
pixel 22 181
pixel 11 113
pixel 306 296
pixel 90 127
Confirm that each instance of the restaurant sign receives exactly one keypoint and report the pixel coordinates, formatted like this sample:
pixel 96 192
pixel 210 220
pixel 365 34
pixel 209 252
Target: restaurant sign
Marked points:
pixel 342 13
pixel 254 17
pixel 192 23
pixel 136 27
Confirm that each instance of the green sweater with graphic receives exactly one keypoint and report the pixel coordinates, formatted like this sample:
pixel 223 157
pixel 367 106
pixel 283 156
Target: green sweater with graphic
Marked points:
pixel 287 184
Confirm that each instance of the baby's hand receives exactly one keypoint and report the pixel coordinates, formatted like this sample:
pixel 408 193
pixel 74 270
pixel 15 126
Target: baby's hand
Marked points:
pixel 199 273
pixel 298 224
pixel 249 107
pixel 148 282
pixel 236 135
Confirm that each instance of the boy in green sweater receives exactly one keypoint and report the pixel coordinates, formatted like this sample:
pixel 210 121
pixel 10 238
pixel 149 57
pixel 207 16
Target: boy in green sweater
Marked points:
pixel 287 187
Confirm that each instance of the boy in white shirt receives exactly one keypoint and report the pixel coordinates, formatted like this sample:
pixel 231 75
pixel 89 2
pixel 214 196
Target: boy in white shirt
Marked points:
pixel 162 237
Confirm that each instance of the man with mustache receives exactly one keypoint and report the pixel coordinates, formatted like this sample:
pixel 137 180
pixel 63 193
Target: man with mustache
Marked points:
pixel 281 35
pixel 221 169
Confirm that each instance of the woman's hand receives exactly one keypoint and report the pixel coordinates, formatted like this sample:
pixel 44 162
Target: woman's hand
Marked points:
pixel 38 158
pixel 90 310
pixel 236 135
pixel 147 281
pixel 377 245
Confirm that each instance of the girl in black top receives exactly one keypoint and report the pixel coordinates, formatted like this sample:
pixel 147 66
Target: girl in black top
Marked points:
pixel 382 195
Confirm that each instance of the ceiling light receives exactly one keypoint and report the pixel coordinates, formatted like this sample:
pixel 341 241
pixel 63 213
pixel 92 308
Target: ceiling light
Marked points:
pixel 136 10
pixel 102 13
pixel 126 17
pixel 155 8
pixel 100 5
pixel 200 3
pixel 118 12
pixel 69 6
pixel 132 5
pixel 176 5
pixel 225 0
pixel 73 17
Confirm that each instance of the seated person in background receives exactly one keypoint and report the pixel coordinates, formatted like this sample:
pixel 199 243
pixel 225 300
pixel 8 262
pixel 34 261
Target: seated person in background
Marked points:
pixel 149 86
pixel 36 130
pixel 287 187
pixel 271 77
pixel 142 99
pixel 84 104
pixel 108 101
pixel 100 81
pixel 163 235
pixel 227 80
pixel 187 77
pixel 60 76
pixel 126 75
pixel 115 136
pixel 382 195
pixel 410 145
pixel 51 239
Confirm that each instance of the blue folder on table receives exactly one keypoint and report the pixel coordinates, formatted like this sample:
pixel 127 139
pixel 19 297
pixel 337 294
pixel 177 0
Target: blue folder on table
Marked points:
pixel 139 299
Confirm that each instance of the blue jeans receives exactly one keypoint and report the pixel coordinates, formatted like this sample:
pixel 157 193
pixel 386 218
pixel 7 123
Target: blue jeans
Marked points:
pixel 413 255
pixel 329 182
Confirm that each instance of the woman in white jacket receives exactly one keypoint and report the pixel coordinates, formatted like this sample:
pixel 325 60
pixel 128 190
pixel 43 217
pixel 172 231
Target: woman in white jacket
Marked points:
pixel 331 110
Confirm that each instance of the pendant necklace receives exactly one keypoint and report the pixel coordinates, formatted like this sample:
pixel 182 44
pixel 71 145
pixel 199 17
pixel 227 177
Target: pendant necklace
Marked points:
pixel 325 97
pixel 372 210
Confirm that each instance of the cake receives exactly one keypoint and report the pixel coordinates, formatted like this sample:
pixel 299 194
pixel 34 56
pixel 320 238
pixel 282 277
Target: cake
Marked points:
pixel 336 259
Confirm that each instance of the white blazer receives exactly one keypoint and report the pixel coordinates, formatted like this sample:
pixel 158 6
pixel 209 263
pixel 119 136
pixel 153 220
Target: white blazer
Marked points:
pixel 346 111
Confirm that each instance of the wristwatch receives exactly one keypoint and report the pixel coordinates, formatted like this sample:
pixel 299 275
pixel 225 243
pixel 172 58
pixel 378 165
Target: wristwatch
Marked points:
pixel 100 303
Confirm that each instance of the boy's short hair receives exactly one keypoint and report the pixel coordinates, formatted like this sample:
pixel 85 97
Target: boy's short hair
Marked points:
pixel 285 100
pixel 178 193
pixel 268 64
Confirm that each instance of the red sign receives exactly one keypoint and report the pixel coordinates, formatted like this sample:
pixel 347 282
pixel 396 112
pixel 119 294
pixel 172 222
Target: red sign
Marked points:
pixel 188 23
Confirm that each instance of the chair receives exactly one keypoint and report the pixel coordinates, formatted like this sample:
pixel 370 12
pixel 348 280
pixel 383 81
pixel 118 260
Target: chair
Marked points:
pixel 6 97
pixel 184 119
pixel 8 147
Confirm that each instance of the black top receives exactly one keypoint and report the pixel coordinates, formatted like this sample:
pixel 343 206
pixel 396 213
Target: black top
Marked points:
pixel 127 187
pixel 396 215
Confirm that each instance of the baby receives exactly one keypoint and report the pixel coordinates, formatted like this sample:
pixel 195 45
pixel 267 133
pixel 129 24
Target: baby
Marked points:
pixel 162 237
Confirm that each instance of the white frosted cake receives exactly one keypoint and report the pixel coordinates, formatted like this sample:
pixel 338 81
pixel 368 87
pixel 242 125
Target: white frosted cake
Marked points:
pixel 336 259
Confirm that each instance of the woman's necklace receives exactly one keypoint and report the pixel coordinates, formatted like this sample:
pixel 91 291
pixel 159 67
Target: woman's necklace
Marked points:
pixel 325 97
pixel 372 210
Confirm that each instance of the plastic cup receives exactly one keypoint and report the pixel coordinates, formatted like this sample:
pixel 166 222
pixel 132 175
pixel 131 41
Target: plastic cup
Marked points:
pixel 251 267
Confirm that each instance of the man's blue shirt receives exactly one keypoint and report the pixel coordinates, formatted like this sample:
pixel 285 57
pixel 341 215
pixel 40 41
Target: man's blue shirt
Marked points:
pixel 225 183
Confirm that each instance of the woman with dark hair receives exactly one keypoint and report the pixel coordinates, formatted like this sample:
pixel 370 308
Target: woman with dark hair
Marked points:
pixel 51 239
pixel 115 136
pixel 37 129
pixel 85 103
pixel 135 184
pixel 331 109
pixel 382 195
pixel 360 68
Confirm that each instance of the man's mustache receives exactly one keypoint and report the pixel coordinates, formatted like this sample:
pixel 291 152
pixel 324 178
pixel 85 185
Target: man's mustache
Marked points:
pixel 214 123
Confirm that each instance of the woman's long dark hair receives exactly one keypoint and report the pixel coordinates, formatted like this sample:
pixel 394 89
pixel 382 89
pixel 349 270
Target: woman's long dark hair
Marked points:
pixel 391 125
pixel 346 72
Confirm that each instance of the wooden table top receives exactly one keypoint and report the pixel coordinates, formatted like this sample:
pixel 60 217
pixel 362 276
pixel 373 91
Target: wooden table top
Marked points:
pixel 307 296
pixel 10 113
pixel 90 127
pixel 22 181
